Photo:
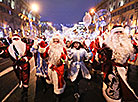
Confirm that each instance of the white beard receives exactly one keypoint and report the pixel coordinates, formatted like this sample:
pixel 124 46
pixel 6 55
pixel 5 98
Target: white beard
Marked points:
pixel 20 46
pixel 55 51
pixel 121 46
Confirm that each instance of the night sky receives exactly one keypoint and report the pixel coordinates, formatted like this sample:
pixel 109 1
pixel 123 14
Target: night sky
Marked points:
pixel 64 11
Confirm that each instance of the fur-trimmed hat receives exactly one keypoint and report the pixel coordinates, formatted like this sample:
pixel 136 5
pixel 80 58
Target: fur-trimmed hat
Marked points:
pixel 117 28
pixel 42 47
pixel 16 36
pixel 76 41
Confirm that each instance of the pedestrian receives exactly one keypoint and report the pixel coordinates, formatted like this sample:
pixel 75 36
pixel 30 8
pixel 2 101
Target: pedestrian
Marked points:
pixel 20 54
pixel 56 55
pixel 78 69
pixel 116 50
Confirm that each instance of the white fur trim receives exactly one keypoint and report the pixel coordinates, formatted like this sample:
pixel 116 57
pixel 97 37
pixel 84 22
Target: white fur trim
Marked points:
pixel 1 52
pixel 16 37
pixel 117 29
pixel 41 50
pixel 26 59
pixel 59 91
pixel 54 80
pixel 122 72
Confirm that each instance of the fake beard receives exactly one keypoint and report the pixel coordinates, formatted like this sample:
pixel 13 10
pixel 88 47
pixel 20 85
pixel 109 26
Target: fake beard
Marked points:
pixel 121 46
pixel 55 51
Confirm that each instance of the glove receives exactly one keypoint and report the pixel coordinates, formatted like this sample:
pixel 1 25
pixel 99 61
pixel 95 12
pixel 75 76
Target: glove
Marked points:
pixel 23 60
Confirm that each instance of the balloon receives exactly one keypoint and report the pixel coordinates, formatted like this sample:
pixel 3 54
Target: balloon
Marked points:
pixel 102 17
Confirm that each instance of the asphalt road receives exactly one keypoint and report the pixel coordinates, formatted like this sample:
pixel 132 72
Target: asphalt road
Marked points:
pixel 90 90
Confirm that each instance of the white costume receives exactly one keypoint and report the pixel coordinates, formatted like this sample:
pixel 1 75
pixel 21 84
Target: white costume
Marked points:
pixel 78 56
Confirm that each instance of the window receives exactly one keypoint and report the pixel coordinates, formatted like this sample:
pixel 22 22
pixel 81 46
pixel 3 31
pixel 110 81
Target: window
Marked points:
pixel 125 9
pixel 10 12
pixel 23 12
pixel 114 8
pixel 123 18
pixel 128 8
pixel 125 1
pixel 119 4
pixel 12 4
pixel 132 6
pixel 0 0
pixel 111 9
pixel 131 17
pixel 34 18
pixel 119 12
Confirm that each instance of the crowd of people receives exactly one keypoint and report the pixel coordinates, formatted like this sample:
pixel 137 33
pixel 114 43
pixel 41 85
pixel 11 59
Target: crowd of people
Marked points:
pixel 75 59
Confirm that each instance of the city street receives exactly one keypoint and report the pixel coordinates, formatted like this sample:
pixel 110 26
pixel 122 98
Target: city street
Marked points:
pixel 90 90
pixel 68 50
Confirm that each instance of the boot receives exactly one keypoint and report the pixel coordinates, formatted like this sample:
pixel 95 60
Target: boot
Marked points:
pixel 77 96
pixel 20 84
pixel 24 97
pixel 25 90
pixel 58 98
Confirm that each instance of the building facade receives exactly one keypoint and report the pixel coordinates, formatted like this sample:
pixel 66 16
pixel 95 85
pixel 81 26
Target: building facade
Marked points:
pixel 122 11
pixel 15 16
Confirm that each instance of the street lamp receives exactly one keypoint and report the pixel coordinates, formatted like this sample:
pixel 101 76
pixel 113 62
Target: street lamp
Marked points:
pixel 34 7
pixel 50 25
pixel 92 11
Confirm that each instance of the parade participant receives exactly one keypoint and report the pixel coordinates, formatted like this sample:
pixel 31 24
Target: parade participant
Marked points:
pixel 40 63
pixel 116 50
pixel 20 54
pixel 68 46
pixel 68 43
pixel 78 69
pixel 94 48
pixel 56 54
pixel 67 65
pixel 86 43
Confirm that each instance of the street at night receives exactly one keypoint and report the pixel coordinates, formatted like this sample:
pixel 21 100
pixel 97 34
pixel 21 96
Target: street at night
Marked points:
pixel 68 50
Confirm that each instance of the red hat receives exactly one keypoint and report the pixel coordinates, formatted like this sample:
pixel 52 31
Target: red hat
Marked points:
pixel 42 47
pixel 42 44
pixel 16 36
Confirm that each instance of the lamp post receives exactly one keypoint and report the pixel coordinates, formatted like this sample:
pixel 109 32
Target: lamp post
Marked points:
pixel 50 25
pixel 34 7
pixel 92 11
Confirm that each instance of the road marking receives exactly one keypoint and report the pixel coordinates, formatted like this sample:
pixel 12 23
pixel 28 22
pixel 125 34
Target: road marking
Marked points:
pixel 8 95
pixel 6 71
pixel 4 62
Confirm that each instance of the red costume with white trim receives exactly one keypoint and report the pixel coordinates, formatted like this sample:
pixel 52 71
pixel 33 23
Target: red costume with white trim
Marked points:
pixel 115 52
pixel 20 54
pixel 56 54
